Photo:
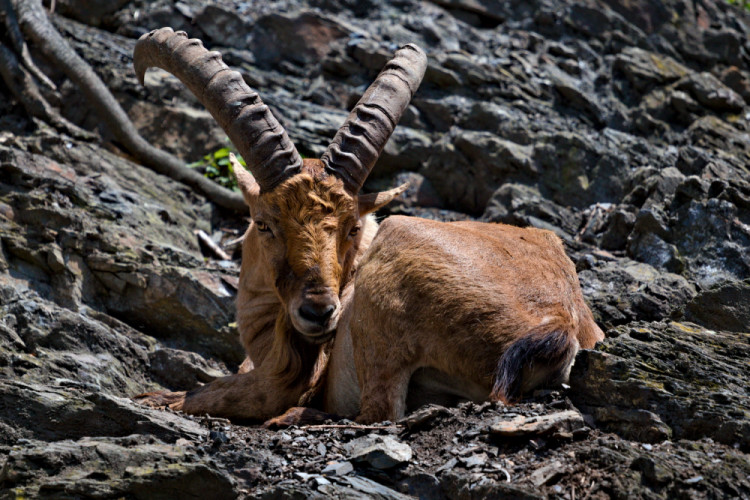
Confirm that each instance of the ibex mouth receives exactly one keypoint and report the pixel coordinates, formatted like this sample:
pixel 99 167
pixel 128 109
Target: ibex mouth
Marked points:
pixel 315 317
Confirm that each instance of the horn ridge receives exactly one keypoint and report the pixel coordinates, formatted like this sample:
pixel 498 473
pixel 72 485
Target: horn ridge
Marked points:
pixel 238 109
pixel 360 140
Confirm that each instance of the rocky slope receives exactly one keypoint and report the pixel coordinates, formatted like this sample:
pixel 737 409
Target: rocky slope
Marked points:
pixel 622 126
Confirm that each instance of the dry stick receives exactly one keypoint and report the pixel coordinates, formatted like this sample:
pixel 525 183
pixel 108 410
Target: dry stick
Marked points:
pixel 216 249
pixel 35 24
pixel 349 426
pixel 19 44
pixel 22 86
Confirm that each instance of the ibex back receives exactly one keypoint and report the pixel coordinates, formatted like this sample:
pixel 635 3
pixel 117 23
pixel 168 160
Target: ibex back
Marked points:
pixel 369 321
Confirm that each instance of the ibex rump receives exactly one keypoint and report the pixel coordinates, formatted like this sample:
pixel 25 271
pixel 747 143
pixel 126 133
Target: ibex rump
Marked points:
pixel 334 308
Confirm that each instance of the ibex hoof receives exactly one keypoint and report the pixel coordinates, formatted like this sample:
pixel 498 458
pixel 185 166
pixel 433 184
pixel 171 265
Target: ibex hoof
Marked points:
pixel 162 399
pixel 298 415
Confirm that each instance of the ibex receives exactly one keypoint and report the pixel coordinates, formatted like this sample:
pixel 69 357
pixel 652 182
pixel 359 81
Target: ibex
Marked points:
pixel 370 320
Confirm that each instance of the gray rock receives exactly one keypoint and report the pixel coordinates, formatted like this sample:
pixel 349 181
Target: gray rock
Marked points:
pixel 181 370
pixel 724 307
pixel 53 413
pixel 649 378
pixel 475 486
pixel 620 291
pixel 105 467
pixel 646 69
pixel 338 468
pixel 710 92
pixel 477 460
pixel 468 166
pixel 222 26
pixel 362 486
pixel 568 420
pixel 576 93
pixel 380 452
pixel 313 34
pixel 521 205
pixel 89 12
pixel 547 474
pixel 423 416
pixel 619 224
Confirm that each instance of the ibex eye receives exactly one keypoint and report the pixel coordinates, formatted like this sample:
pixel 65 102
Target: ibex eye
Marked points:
pixel 354 231
pixel 262 227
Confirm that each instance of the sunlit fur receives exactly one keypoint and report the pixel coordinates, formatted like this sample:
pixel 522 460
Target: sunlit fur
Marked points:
pixel 426 311
pixel 309 250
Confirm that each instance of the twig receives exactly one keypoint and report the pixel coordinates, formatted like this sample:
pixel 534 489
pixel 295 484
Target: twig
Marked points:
pixel 22 86
pixel 216 249
pixel 350 426
pixel 208 419
pixel 234 244
pixel 19 44
pixel 35 24
pixel 507 474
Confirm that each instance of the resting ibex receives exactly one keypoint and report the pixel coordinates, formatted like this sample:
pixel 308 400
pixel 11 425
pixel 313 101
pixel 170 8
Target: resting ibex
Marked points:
pixel 329 303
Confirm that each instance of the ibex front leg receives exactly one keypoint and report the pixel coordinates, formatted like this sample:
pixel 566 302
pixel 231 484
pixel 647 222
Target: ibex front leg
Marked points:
pixel 256 395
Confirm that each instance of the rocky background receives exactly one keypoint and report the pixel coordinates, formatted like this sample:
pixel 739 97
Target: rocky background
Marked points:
pixel 623 126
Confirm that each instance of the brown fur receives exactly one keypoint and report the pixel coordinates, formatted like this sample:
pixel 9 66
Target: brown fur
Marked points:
pixel 478 310
pixel 455 297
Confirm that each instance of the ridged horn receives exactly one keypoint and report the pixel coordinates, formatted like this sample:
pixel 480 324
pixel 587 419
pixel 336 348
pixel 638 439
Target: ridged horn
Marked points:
pixel 359 142
pixel 255 132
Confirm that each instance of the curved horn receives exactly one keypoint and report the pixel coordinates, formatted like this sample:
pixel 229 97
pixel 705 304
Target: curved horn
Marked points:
pixel 358 143
pixel 259 137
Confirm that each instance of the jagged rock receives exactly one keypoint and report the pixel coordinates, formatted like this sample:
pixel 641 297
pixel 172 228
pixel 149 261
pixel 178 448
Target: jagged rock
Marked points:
pixel 646 69
pixel 184 131
pixel 338 468
pixel 619 224
pixel 569 420
pixel 576 93
pixel 381 452
pixel 522 205
pixel 476 486
pixel 737 80
pixel 107 467
pixel 621 291
pixel 313 34
pixel 222 26
pixel 575 170
pixel 423 416
pixel 723 307
pixel 89 12
pixel 51 413
pixel 710 92
pixel 468 166
pixel 192 308
pixel 181 370
pixel 648 379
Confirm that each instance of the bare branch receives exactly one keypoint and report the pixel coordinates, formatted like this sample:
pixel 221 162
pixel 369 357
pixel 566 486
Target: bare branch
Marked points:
pixel 36 25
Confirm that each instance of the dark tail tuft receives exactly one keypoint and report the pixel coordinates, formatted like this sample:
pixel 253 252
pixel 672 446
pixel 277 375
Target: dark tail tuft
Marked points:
pixel 551 352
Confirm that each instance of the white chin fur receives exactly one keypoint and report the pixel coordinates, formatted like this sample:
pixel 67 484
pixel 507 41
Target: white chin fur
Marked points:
pixel 312 330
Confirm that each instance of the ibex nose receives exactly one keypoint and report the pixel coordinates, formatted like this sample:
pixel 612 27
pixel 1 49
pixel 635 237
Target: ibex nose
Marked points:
pixel 316 313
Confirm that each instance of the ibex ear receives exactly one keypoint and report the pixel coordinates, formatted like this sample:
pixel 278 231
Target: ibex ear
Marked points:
pixel 372 201
pixel 245 180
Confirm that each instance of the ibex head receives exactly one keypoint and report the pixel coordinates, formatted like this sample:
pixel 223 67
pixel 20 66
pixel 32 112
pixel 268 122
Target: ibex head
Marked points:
pixel 306 213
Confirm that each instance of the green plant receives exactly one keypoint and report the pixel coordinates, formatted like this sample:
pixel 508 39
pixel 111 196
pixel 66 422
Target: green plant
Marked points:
pixel 216 166
pixel 745 4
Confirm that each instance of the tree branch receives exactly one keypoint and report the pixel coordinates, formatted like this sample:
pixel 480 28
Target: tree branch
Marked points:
pixel 36 25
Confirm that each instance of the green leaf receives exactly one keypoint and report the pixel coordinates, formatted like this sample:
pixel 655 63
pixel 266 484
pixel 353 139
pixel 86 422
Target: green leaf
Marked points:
pixel 221 153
